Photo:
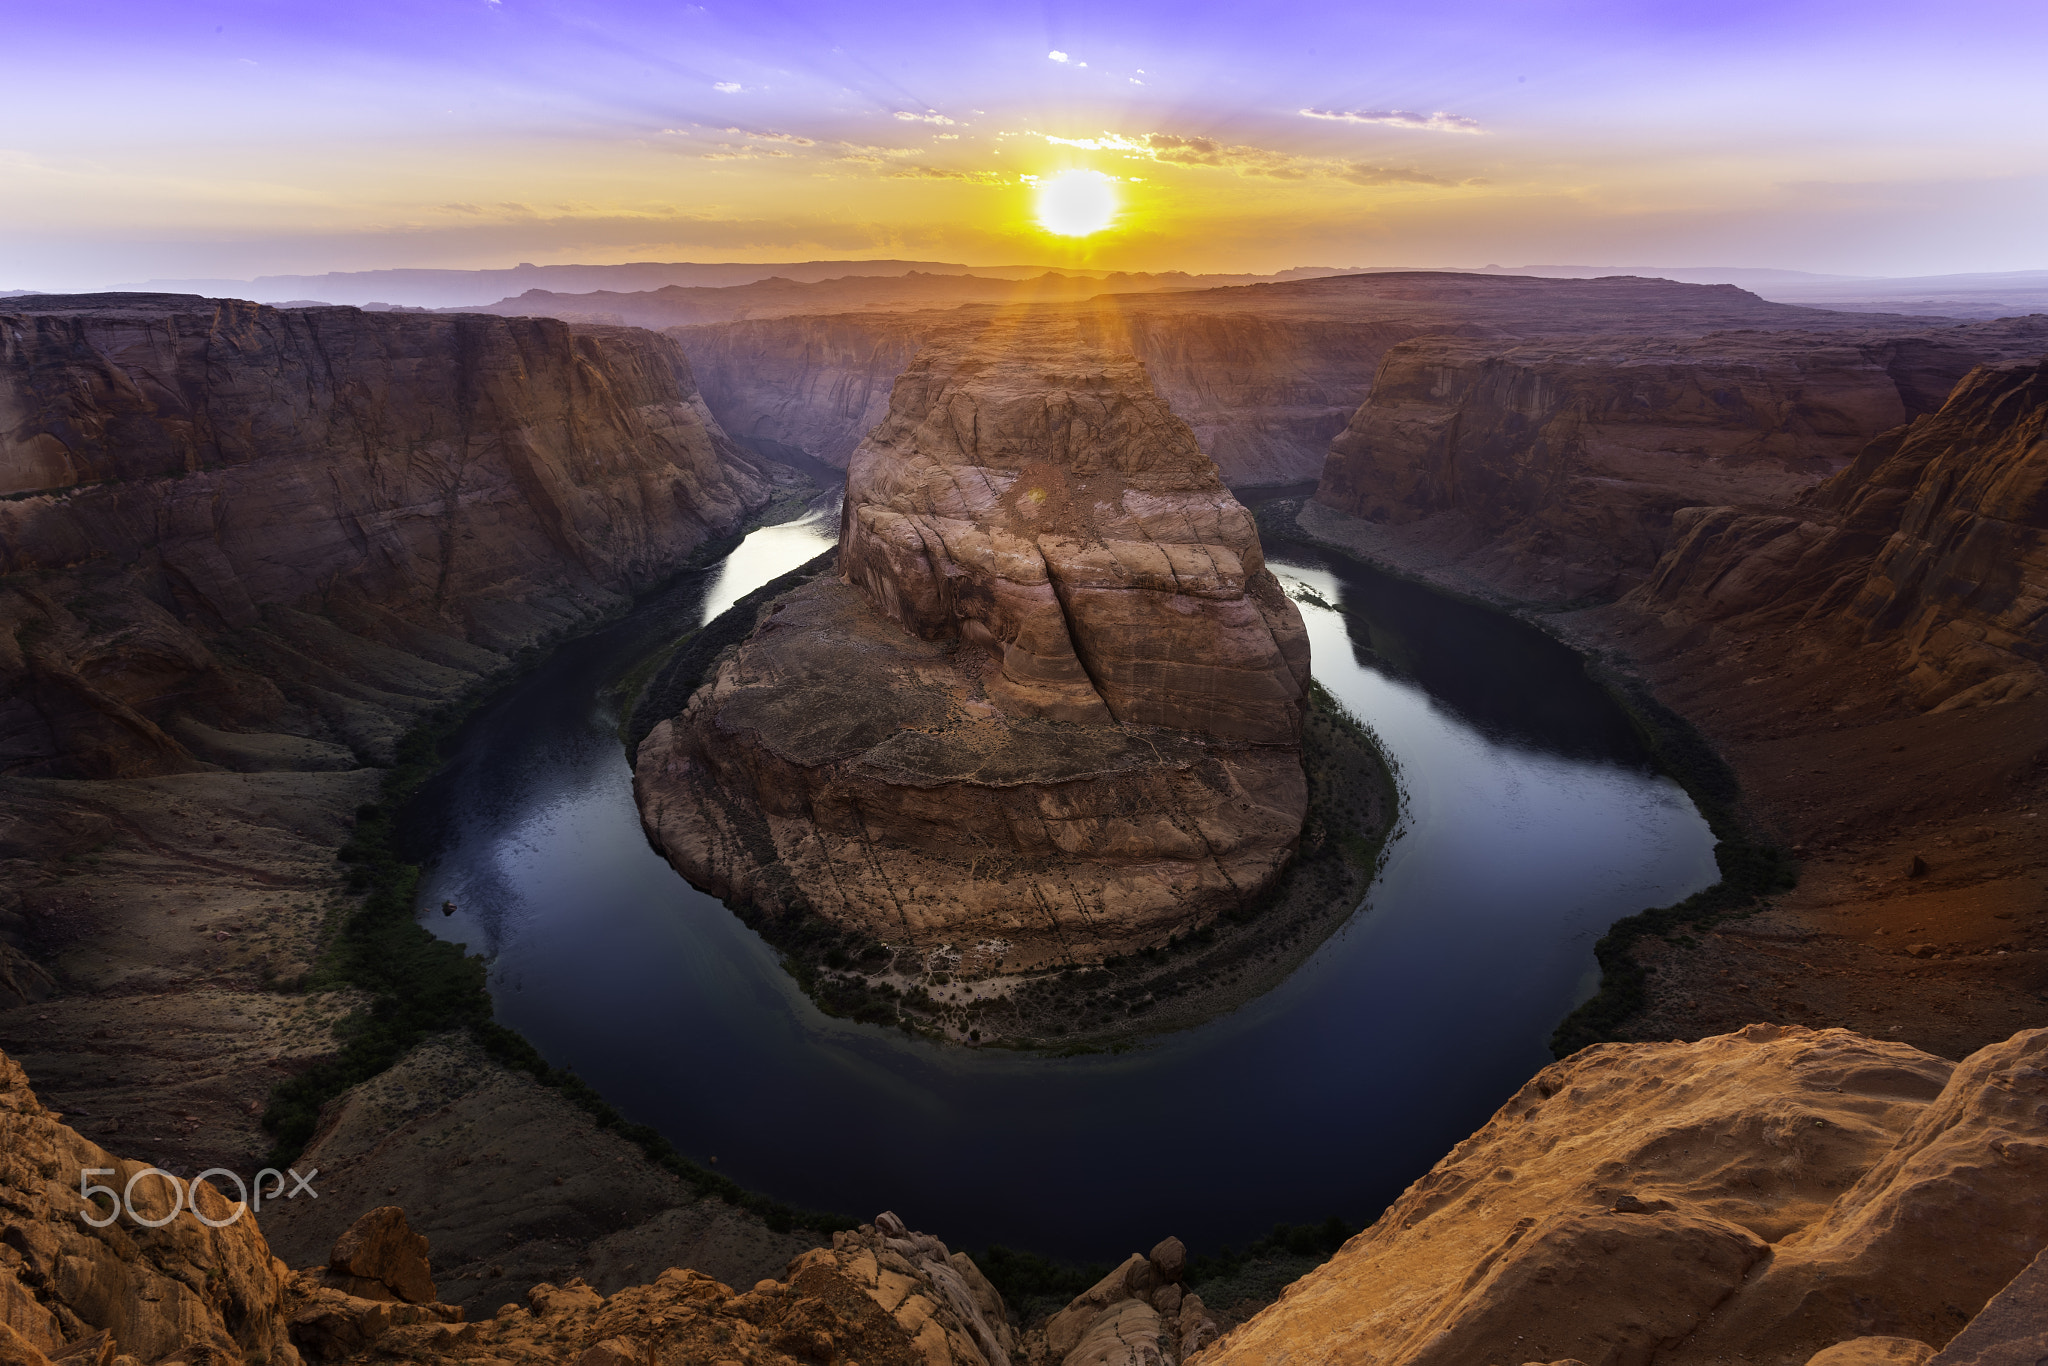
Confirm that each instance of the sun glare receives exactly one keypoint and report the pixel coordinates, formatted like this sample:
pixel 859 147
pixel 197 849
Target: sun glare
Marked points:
pixel 1077 202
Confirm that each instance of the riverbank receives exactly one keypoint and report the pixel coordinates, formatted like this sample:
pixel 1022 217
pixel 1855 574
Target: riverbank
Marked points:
pixel 1884 869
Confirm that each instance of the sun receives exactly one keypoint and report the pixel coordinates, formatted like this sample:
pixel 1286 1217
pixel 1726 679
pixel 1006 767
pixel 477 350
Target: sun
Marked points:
pixel 1076 203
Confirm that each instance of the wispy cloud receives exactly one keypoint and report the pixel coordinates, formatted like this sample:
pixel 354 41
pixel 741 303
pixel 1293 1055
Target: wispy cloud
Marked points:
pixel 928 116
pixel 727 87
pixel 791 138
pixel 1361 174
pixel 1439 122
pixel 1056 56
pixel 1173 149
pixel 943 173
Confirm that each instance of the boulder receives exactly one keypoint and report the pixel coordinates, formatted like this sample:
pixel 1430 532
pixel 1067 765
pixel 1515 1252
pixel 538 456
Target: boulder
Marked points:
pixel 380 1253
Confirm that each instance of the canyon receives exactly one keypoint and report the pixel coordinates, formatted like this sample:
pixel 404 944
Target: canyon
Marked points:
pixel 247 549
pixel 1268 374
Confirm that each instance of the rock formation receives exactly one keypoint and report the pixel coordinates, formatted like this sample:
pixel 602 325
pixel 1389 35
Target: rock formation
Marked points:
pixel 1051 708
pixel 817 383
pixel 1759 1197
pixel 189 1291
pixel 185 1288
pixel 244 550
pixel 1934 541
pixel 1557 467
pixel 1138 1314
pixel 370 507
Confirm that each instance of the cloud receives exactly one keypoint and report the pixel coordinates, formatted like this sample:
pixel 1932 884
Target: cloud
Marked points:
pixel 1174 149
pixel 676 132
pixel 1439 122
pixel 1362 174
pixel 928 116
pixel 1056 55
pixel 463 208
pixel 941 173
pixel 727 87
pixel 791 138
pixel 1184 151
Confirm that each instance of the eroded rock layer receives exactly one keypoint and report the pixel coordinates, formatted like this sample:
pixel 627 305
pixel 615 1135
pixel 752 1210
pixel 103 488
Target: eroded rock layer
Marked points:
pixel 1556 468
pixel 1756 1197
pixel 1052 705
pixel 372 508
pixel 1934 541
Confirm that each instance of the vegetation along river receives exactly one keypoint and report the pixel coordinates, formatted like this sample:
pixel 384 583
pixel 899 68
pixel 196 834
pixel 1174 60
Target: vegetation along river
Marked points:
pixel 1532 820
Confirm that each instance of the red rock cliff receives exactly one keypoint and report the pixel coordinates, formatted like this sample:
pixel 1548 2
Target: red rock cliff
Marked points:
pixel 370 506
pixel 1559 465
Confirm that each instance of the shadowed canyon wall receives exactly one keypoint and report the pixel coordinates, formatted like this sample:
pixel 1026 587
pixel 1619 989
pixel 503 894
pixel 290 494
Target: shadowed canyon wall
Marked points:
pixel 372 507
pixel 1934 541
pixel 1052 707
pixel 1557 466
pixel 243 551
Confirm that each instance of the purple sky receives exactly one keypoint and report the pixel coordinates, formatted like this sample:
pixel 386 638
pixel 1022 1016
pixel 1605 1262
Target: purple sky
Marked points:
pixel 233 139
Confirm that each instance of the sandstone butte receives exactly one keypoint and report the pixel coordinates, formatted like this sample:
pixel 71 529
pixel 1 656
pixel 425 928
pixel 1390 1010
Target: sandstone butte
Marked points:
pixel 1050 708
pixel 1778 1196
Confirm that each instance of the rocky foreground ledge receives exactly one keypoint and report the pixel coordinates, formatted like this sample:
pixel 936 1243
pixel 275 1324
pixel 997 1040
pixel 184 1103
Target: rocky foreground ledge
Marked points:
pixel 1049 712
pixel 1779 1196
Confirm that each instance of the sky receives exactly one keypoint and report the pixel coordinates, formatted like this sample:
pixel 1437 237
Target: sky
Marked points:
pixel 203 139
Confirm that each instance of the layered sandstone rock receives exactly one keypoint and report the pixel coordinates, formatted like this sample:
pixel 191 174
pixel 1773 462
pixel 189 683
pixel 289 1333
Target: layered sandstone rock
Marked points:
pixel 1758 1197
pixel 263 538
pixel 185 1289
pixel 244 550
pixel 819 384
pixel 1933 542
pixel 1557 468
pixel 1053 707
pixel 1139 1314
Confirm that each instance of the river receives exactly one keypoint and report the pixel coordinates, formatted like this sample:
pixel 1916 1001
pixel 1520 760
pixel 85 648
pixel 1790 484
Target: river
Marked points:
pixel 1532 821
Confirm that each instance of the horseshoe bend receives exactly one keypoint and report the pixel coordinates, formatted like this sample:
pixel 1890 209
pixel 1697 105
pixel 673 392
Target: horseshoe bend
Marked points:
pixel 1049 707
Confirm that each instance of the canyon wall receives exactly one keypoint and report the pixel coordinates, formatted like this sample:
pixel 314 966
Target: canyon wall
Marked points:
pixel 1558 466
pixel 1933 541
pixel 816 383
pixel 1263 395
pixel 244 550
pixel 227 520
pixel 1265 374
pixel 1052 705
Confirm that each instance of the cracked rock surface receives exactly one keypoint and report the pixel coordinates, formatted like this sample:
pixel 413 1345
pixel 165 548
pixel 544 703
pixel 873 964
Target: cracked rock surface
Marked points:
pixel 1052 705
